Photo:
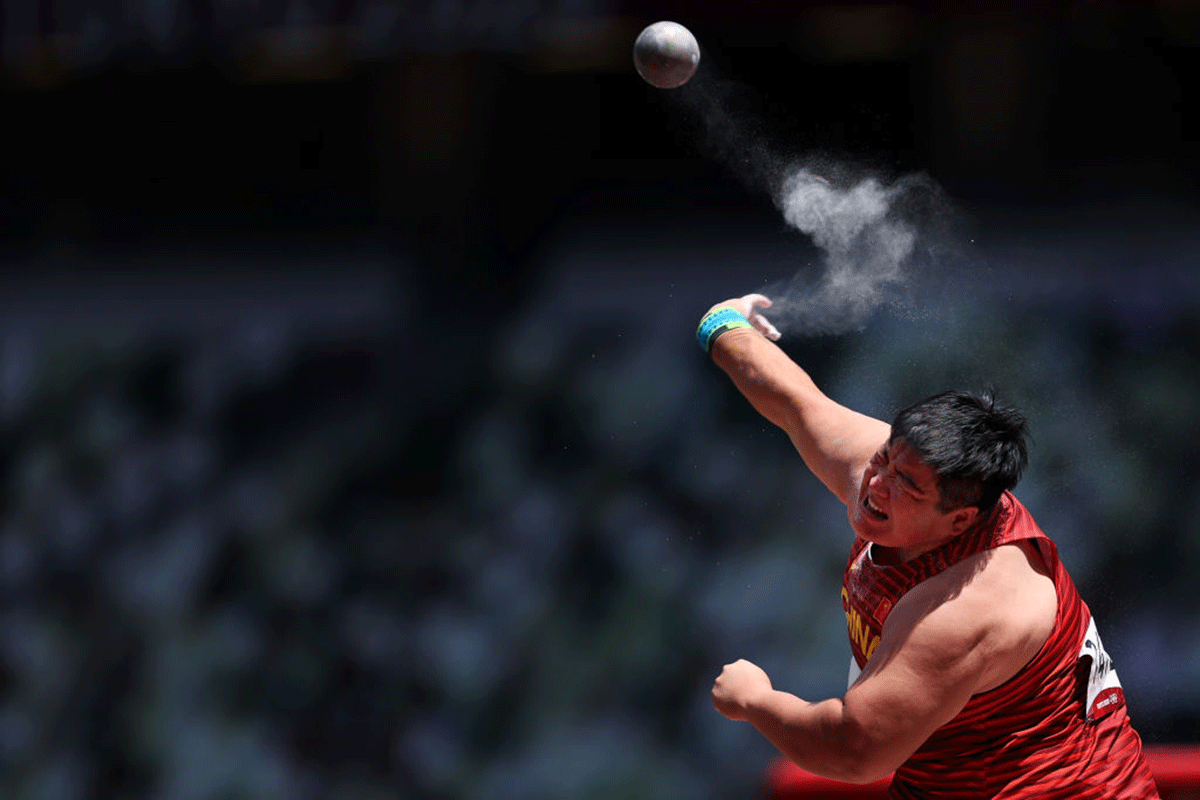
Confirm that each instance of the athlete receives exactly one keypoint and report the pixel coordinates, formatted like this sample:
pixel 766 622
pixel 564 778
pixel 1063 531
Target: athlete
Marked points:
pixel 977 670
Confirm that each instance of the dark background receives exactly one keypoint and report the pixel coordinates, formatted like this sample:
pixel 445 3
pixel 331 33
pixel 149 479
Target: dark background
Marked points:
pixel 355 440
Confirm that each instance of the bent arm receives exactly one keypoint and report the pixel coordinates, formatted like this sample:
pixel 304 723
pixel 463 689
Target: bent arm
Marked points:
pixel 816 736
pixel 946 640
pixel 835 442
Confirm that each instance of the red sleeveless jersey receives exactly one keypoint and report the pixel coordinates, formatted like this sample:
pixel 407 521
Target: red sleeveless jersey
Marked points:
pixel 1056 729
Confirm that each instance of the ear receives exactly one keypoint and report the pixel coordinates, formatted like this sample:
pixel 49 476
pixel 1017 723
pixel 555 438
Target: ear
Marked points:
pixel 963 518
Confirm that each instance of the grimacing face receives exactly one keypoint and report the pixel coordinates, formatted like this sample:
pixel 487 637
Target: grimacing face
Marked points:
pixel 898 504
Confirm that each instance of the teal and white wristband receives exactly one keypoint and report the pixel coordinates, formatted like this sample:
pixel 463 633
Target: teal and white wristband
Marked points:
pixel 717 322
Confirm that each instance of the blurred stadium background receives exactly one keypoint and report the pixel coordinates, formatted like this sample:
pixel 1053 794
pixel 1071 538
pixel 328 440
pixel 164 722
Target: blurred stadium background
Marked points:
pixel 356 444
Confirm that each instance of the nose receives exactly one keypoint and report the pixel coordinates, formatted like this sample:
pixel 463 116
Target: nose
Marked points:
pixel 878 484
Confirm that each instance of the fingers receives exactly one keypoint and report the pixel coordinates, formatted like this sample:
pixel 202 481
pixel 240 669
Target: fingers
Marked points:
pixel 757 300
pixel 745 304
pixel 762 324
pixel 722 695
pixel 765 327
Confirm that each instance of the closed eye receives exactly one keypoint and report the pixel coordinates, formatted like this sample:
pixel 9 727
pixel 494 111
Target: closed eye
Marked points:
pixel 909 485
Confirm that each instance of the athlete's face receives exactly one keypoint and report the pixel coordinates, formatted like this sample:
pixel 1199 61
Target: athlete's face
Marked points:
pixel 898 503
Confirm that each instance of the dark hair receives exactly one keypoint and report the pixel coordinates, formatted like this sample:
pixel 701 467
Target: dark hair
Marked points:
pixel 977 447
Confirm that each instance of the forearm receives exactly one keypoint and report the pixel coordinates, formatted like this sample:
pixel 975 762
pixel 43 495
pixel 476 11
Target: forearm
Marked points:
pixel 776 386
pixel 815 736
pixel 834 441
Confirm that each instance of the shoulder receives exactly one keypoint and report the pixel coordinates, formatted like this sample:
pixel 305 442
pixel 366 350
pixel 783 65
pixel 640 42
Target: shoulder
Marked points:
pixel 989 614
pixel 962 632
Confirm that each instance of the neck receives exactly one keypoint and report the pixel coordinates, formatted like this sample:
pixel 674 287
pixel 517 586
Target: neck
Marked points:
pixel 892 556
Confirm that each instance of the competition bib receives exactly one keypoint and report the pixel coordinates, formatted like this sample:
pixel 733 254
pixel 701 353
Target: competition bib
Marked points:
pixel 1104 691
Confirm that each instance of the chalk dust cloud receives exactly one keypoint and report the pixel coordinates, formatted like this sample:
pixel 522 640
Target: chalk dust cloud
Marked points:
pixel 877 234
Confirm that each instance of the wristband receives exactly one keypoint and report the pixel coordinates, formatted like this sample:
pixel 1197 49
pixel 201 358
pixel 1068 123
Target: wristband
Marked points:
pixel 717 322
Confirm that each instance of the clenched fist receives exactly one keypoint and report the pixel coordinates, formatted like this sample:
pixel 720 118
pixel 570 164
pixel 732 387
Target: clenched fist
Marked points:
pixel 737 684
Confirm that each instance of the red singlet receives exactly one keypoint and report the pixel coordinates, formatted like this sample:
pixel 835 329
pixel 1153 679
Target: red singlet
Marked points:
pixel 1056 729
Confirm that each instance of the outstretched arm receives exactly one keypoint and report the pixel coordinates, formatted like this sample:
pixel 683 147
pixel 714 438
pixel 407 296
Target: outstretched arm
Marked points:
pixel 835 442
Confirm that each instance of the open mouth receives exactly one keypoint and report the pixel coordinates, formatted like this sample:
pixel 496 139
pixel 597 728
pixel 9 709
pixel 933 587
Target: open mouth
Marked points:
pixel 872 510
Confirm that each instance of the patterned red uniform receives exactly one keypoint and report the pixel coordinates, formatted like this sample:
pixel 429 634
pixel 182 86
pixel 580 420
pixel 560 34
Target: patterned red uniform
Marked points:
pixel 1058 728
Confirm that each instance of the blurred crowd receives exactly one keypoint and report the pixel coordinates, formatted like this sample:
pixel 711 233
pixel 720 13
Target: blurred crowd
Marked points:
pixel 183 504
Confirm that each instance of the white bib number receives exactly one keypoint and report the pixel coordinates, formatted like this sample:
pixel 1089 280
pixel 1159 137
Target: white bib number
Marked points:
pixel 1104 691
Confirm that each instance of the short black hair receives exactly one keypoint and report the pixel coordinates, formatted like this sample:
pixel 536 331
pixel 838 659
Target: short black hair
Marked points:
pixel 977 447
